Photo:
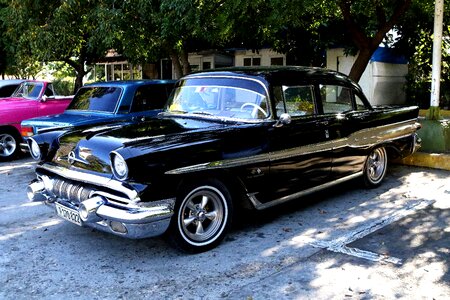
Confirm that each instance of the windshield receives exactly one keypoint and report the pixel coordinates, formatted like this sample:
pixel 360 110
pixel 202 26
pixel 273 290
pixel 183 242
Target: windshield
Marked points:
pixel 29 90
pixel 102 99
pixel 224 98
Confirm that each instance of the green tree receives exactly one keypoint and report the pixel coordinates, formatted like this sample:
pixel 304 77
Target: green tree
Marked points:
pixel 149 30
pixel 6 45
pixel 306 28
pixel 368 23
pixel 66 31
pixel 360 26
pixel 417 43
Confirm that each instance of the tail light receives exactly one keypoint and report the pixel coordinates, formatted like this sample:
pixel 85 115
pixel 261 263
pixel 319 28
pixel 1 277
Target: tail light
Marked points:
pixel 27 131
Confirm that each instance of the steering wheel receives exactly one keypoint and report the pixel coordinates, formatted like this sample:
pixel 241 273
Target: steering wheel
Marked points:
pixel 255 110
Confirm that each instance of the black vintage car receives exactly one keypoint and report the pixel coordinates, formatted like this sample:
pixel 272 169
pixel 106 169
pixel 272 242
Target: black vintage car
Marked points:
pixel 230 138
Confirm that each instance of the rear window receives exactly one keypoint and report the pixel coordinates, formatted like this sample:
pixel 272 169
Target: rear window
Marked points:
pixel 7 90
pixel 150 97
pixel 96 99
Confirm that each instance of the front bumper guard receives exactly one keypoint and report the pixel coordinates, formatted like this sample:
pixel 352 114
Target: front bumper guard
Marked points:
pixel 97 212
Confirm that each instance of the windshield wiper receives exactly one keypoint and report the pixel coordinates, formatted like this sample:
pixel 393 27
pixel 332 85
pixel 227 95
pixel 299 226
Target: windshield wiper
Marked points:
pixel 176 112
pixel 202 113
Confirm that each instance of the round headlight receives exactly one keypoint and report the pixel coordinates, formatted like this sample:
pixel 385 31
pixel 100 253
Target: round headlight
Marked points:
pixel 119 166
pixel 35 150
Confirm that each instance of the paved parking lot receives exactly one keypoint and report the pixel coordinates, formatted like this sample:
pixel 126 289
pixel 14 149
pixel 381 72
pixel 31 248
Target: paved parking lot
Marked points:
pixel 345 243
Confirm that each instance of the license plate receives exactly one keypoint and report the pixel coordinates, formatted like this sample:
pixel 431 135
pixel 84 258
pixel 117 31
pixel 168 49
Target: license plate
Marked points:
pixel 68 214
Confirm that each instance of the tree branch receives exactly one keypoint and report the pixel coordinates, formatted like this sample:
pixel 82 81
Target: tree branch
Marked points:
pixel 399 10
pixel 356 32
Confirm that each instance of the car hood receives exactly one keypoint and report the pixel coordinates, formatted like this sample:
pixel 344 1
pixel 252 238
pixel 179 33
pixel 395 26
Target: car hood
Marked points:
pixel 89 148
pixel 68 118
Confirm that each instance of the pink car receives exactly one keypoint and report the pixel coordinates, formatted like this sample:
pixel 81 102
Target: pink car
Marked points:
pixel 31 99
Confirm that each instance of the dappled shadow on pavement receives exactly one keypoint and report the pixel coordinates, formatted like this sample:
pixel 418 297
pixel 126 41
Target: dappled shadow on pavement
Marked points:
pixel 268 253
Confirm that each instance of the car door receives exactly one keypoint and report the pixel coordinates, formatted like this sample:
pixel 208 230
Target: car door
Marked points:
pixel 52 106
pixel 300 154
pixel 346 117
pixel 49 105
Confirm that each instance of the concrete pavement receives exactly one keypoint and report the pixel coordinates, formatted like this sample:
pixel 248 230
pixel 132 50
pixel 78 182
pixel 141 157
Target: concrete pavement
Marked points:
pixel 344 243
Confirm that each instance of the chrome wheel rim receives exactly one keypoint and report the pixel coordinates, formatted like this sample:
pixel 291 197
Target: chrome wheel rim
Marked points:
pixel 376 165
pixel 202 215
pixel 7 145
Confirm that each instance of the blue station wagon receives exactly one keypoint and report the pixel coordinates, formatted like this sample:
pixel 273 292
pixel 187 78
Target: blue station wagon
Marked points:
pixel 105 102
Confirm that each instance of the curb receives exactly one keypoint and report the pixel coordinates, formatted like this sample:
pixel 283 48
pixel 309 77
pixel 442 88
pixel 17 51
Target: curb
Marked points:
pixel 429 160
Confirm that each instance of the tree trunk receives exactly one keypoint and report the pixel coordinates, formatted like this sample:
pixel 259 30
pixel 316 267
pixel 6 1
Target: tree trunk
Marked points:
pixel 360 64
pixel 80 75
pixel 180 63
pixel 368 44
pixel 178 72
pixel 186 66
pixel 78 65
pixel 78 81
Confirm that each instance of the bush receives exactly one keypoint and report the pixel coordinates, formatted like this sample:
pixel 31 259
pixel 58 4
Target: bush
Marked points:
pixel 419 93
pixel 63 87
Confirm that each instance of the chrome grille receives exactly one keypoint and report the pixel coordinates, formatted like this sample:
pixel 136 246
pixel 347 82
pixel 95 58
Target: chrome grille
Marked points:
pixel 76 192
pixel 73 192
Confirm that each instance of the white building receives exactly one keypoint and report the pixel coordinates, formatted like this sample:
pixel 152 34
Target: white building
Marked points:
pixel 383 81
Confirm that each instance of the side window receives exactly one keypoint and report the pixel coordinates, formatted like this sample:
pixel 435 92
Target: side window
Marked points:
pixel 149 97
pixel 359 103
pixel 49 90
pixel 278 100
pixel 299 100
pixel 336 99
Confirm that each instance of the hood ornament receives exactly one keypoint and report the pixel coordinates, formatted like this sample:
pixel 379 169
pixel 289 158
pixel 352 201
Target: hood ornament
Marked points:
pixel 71 158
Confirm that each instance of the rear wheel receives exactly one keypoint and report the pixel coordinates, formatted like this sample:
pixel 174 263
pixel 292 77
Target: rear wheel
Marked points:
pixel 9 145
pixel 202 216
pixel 375 167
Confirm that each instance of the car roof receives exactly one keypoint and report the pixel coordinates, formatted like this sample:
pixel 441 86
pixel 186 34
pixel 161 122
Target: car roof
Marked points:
pixel 270 70
pixel 122 83
pixel 10 82
pixel 279 73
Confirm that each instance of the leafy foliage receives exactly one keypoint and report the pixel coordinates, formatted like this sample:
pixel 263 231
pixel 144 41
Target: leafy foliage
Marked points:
pixel 65 31
pixel 416 44
pixel 79 32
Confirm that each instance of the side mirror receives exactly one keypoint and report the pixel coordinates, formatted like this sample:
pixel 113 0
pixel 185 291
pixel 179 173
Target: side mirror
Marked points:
pixel 285 119
pixel 46 98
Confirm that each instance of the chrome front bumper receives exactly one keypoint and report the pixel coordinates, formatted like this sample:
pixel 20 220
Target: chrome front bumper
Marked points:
pixel 132 220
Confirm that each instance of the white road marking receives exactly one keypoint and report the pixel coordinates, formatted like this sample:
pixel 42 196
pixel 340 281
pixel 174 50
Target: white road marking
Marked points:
pixel 339 245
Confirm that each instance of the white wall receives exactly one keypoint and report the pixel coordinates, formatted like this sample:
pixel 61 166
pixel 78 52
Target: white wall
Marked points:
pixel 264 54
pixel 382 83
pixel 215 60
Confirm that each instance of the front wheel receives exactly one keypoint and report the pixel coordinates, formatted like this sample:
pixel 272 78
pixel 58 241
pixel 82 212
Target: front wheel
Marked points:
pixel 202 216
pixel 375 167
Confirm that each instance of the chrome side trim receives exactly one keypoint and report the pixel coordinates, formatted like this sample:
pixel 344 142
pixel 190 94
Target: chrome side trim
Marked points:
pixel 92 179
pixel 260 206
pixel 364 138
pixel 235 162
